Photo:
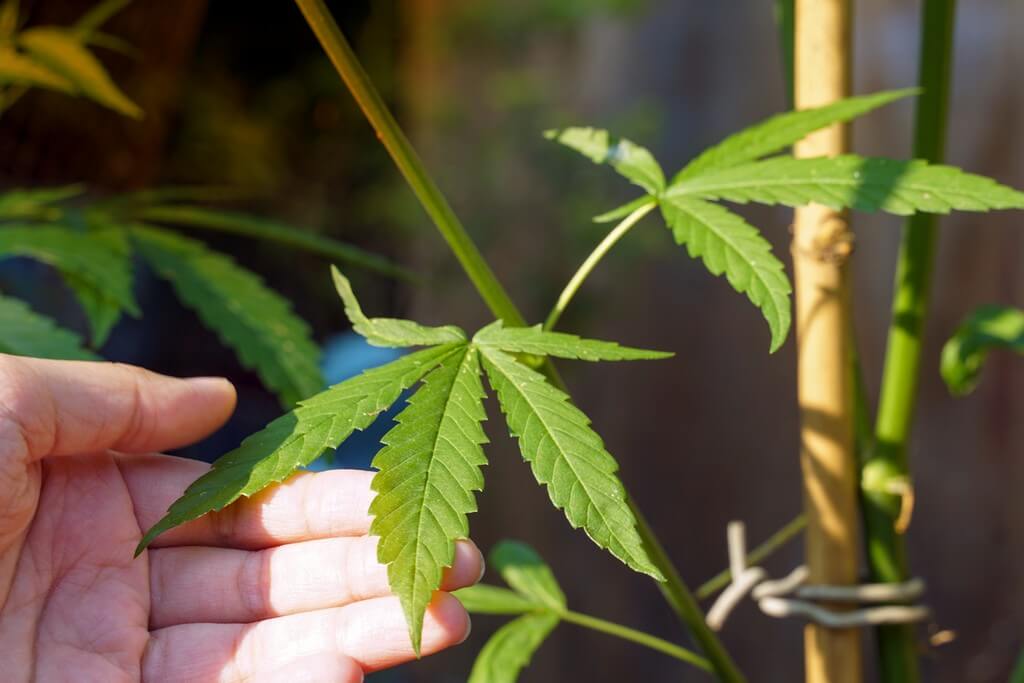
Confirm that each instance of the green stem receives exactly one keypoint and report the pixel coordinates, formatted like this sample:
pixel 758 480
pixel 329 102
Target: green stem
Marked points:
pixel 755 556
pixel 490 289
pixel 886 547
pixel 617 233
pixel 408 162
pixel 638 637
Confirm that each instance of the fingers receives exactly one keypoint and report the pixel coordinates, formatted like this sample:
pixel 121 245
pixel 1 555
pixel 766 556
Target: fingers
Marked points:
pixel 72 408
pixel 324 668
pixel 197 584
pixel 305 507
pixel 371 632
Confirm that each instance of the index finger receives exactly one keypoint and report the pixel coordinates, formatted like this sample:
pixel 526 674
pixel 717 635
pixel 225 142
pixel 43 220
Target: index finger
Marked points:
pixel 76 407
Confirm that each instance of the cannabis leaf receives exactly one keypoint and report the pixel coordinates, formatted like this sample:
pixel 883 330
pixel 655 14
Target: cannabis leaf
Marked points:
pixel 535 340
pixel 537 596
pixel 849 181
pixel 783 130
pixel 24 332
pixel 97 267
pixel 631 160
pixel 731 171
pixel 728 244
pixel 62 52
pixel 390 331
pixel 429 471
pixel 298 438
pixel 253 320
pixel 22 203
pixel 511 648
pixel 568 457
pixel 987 328
pixel 430 467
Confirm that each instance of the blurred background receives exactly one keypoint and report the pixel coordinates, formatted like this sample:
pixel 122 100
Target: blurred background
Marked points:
pixel 238 94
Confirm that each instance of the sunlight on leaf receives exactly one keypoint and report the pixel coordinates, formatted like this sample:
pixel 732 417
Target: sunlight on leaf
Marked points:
pixel 629 159
pixel 24 332
pixel 510 649
pixel 537 341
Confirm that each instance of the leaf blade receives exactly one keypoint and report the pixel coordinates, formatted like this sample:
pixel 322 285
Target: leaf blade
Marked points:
pixel 727 244
pixel 986 329
pixel 429 471
pixel 96 266
pixel 538 341
pixel 567 457
pixel 849 181
pixel 23 332
pixel 62 51
pixel 524 570
pixel 784 130
pixel 511 647
pixel 248 317
pixel 297 438
pixel 632 161
pixel 390 332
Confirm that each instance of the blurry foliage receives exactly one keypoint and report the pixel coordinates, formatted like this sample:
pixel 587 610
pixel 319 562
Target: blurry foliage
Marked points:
pixel 91 245
pixel 58 58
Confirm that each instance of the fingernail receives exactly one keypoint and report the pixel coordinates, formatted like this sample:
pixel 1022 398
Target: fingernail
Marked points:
pixel 483 569
pixel 469 629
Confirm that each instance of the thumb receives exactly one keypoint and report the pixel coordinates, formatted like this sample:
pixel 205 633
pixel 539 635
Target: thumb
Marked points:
pixel 74 407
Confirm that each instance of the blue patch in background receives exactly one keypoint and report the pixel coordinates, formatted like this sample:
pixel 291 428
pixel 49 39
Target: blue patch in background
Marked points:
pixel 345 356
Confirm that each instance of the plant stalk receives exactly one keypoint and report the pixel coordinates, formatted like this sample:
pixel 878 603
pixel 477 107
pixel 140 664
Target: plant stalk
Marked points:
pixel 490 289
pixel 635 636
pixel 821 249
pixel 588 265
pixel 886 546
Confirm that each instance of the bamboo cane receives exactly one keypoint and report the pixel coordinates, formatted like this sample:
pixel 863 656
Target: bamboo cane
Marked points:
pixel 821 249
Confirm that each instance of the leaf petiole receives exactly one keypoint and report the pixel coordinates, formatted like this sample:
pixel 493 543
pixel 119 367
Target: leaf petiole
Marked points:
pixel 588 265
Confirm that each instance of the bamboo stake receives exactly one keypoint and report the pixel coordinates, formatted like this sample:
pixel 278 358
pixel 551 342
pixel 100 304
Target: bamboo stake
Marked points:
pixel 821 248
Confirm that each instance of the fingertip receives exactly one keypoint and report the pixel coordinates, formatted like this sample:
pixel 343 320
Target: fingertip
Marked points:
pixel 467 567
pixel 446 623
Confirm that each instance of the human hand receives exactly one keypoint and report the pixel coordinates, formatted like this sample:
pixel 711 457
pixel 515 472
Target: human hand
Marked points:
pixel 283 586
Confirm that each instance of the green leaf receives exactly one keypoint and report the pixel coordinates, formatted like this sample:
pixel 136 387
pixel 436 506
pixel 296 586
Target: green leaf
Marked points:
pixel 96 265
pixel 535 340
pixel 102 310
pixel 22 203
pixel 485 599
pixel 390 331
pixel 62 52
pixel 728 244
pixel 989 327
pixel 866 184
pixel 20 70
pixel 298 438
pixel 631 160
pixel 26 333
pixel 568 457
pixel 510 649
pixel 783 130
pixel 429 471
pixel 624 210
pixel 260 228
pixel 524 570
pixel 250 318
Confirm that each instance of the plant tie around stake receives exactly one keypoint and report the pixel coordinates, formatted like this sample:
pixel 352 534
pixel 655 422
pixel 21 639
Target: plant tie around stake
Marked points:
pixel 791 596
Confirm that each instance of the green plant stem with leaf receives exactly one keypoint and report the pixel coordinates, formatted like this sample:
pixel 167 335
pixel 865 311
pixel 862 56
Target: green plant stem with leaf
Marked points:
pixel 484 279
pixel 886 545
pixel 635 636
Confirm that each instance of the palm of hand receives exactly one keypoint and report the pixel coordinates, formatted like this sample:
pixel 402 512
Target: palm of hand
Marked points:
pixel 283 586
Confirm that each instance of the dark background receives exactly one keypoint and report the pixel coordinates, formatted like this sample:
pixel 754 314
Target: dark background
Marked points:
pixel 237 93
